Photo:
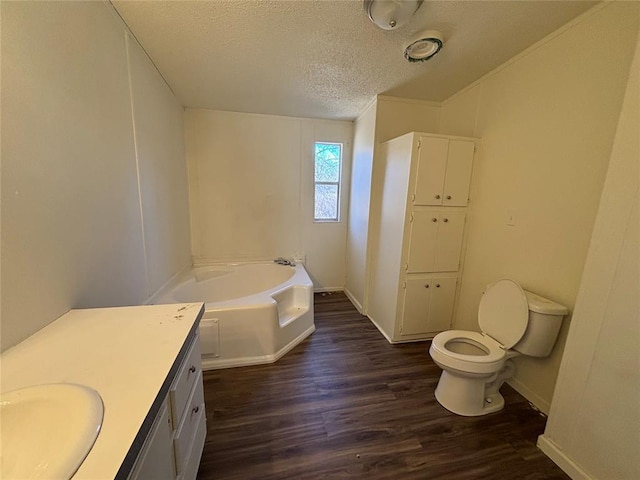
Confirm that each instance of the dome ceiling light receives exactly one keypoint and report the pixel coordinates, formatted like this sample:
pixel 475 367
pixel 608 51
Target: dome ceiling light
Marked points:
pixel 391 14
pixel 424 46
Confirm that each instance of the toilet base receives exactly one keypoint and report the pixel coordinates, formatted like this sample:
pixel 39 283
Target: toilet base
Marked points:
pixel 466 396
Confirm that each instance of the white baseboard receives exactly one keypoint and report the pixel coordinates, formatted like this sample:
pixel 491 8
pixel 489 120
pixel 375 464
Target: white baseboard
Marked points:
pixel 551 450
pixel 327 289
pixel 380 330
pixel 353 300
pixel 539 402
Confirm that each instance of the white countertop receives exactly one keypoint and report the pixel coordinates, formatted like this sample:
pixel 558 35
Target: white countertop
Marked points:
pixel 124 353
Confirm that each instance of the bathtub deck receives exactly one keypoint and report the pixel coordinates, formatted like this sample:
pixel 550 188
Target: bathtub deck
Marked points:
pixel 347 404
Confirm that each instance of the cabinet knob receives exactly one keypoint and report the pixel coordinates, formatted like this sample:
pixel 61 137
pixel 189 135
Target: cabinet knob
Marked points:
pixel 437 197
pixel 195 409
pixel 445 220
pixel 448 197
pixel 426 285
pixel 437 285
pixel 192 369
pixel 434 219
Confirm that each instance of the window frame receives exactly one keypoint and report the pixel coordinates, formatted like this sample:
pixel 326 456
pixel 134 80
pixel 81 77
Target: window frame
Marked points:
pixel 338 184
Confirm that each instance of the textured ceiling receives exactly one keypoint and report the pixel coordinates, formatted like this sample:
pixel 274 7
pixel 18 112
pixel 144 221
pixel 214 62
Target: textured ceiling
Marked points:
pixel 323 58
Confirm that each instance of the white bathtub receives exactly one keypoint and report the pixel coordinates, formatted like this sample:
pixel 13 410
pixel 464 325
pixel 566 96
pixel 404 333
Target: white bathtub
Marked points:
pixel 254 312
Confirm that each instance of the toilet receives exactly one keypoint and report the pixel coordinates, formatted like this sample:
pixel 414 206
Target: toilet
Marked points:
pixel 475 365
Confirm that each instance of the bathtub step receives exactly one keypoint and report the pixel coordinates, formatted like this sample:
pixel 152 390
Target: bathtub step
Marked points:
pixel 292 304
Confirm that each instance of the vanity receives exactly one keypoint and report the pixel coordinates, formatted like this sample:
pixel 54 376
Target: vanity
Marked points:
pixel 144 362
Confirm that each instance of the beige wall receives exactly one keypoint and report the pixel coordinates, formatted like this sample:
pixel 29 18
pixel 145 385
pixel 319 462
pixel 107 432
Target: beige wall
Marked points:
pixel 76 224
pixel 251 190
pixel 594 426
pixel 546 121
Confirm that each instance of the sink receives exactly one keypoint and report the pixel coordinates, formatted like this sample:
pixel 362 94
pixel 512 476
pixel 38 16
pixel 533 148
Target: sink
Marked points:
pixel 47 430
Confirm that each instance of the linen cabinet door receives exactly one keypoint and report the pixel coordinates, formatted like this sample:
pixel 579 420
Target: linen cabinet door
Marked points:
pixel 432 166
pixel 443 292
pixel 455 192
pixel 422 241
pixel 417 295
pixel 449 241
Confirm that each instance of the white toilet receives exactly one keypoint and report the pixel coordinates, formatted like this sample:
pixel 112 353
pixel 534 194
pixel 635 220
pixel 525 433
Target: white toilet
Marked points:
pixel 475 365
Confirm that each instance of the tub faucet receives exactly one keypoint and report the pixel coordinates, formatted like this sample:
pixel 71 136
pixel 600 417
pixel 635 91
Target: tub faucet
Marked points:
pixel 284 261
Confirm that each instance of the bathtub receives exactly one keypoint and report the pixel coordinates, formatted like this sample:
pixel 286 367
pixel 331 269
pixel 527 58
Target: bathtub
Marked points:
pixel 254 312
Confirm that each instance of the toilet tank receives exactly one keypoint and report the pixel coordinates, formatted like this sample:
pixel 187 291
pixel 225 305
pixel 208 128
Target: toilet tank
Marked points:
pixel 545 319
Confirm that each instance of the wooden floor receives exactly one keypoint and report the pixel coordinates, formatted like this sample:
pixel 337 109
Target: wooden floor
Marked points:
pixel 347 404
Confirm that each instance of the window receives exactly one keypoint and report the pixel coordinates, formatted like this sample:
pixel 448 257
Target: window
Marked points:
pixel 327 168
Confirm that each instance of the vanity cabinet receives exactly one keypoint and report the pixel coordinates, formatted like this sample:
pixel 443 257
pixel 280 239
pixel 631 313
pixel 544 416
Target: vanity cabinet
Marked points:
pixel 418 234
pixel 174 445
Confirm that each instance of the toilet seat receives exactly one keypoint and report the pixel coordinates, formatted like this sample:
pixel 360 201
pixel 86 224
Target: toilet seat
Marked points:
pixel 504 312
pixel 489 363
pixel 503 316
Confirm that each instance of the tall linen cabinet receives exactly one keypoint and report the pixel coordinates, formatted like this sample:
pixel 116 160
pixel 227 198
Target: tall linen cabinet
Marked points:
pixel 418 220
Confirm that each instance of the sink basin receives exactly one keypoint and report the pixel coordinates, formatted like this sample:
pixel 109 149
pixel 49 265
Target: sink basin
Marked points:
pixel 47 430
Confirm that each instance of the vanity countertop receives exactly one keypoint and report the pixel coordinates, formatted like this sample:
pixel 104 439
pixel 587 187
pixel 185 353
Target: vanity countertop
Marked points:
pixel 125 353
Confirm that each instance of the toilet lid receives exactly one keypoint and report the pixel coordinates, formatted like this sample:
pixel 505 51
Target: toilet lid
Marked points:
pixel 504 312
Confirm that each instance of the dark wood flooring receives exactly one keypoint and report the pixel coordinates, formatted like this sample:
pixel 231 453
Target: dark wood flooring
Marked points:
pixel 347 404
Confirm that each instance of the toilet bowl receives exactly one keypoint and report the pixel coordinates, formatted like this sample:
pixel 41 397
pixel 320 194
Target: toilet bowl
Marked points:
pixel 476 364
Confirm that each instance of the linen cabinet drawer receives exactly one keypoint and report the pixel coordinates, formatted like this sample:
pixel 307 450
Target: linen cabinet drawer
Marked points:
pixel 192 417
pixel 183 384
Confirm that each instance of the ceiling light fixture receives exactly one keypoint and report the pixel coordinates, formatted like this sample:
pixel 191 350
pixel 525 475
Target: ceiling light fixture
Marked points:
pixel 391 14
pixel 424 46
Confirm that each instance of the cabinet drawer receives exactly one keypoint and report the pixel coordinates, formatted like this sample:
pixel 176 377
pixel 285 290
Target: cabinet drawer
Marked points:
pixel 183 384
pixel 193 416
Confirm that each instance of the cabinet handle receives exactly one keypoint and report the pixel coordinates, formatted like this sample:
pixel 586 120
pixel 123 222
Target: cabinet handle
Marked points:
pixel 195 409
pixel 192 369
pixel 426 285
pixel 437 285
pixel 448 197
pixel 445 220
pixel 434 219
pixel 437 197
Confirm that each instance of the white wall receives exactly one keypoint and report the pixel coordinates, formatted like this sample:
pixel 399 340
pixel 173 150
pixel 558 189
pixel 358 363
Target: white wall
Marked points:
pixel 358 221
pixel 397 116
pixel 546 121
pixel 387 118
pixel 251 190
pixel 594 426
pixel 75 224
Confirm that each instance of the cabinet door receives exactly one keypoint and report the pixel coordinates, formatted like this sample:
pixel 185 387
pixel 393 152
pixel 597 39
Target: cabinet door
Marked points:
pixel 417 295
pixel 448 242
pixel 443 292
pixel 428 305
pixel 422 241
pixel 458 173
pixel 155 460
pixel 432 166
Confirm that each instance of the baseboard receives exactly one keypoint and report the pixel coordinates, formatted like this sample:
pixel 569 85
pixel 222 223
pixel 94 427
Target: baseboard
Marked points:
pixel 551 450
pixel 539 402
pixel 327 289
pixel 353 300
pixel 381 330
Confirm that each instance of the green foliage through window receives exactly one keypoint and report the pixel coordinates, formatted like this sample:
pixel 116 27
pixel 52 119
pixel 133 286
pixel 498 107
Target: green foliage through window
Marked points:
pixel 327 168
